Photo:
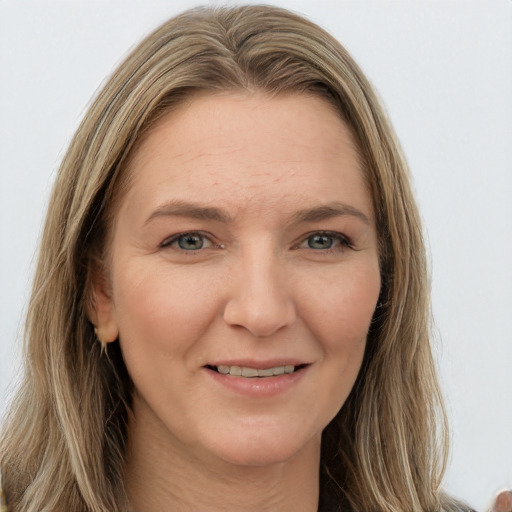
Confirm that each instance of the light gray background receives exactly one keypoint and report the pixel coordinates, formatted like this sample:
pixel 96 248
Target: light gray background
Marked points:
pixel 444 70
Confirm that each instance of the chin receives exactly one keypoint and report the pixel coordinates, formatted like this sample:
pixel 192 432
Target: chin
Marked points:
pixel 258 448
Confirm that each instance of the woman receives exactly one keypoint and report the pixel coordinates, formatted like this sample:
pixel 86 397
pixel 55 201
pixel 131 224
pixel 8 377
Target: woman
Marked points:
pixel 231 305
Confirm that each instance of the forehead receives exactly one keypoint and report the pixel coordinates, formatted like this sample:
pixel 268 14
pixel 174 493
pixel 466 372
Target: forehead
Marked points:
pixel 250 149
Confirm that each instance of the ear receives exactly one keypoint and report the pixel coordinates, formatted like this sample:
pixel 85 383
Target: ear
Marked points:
pixel 99 307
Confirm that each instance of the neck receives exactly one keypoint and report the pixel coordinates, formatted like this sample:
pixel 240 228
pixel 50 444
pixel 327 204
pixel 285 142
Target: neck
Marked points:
pixel 163 475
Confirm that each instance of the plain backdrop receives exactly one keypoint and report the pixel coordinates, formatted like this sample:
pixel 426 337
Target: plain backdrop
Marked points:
pixel 444 71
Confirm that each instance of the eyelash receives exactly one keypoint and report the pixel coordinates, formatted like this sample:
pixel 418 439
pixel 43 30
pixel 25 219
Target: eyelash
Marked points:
pixel 343 242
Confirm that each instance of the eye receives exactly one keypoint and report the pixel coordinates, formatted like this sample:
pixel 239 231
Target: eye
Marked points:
pixel 188 242
pixel 320 241
pixel 325 241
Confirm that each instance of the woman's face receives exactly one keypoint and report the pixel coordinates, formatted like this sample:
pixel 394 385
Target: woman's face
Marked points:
pixel 245 244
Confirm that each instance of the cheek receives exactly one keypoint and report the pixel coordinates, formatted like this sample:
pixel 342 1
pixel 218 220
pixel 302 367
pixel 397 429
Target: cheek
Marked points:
pixel 341 323
pixel 340 307
pixel 160 312
pixel 337 309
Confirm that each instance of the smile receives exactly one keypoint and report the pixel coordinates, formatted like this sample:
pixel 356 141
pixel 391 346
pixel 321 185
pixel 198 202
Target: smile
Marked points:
pixel 245 371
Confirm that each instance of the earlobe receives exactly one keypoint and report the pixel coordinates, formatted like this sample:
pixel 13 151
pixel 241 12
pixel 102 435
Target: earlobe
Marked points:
pixel 107 331
pixel 100 310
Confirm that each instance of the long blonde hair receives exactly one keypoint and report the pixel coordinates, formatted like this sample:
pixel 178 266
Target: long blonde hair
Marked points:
pixel 63 444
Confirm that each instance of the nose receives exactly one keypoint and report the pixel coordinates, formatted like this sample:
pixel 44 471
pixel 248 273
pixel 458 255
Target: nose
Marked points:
pixel 260 300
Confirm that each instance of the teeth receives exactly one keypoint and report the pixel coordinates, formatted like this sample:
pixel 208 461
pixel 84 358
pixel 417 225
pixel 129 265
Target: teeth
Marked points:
pixel 245 371
pixel 223 369
pixel 235 370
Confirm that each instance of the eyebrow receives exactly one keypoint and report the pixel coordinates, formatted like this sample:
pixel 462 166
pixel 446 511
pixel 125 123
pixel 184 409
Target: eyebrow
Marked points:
pixel 329 211
pixel 192 210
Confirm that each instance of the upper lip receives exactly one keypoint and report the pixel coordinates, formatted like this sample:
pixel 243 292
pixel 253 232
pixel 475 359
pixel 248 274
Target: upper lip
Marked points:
pixel 259 364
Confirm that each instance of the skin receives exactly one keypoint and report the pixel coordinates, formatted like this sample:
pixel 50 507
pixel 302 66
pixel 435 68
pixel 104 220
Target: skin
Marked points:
pixel 260 289
pixel 503 502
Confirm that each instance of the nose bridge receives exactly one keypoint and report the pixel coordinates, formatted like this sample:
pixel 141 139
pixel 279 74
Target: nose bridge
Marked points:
pixel 261 300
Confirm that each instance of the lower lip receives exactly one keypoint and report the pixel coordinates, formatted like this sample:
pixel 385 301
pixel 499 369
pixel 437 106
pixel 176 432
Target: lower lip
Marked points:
pixel 258 387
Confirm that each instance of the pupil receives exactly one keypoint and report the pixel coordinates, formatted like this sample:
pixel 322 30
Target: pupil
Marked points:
pixel 320 242
pixel 190 242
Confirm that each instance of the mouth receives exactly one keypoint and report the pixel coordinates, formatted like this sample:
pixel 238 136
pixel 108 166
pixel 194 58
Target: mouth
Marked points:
pixel 252 373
